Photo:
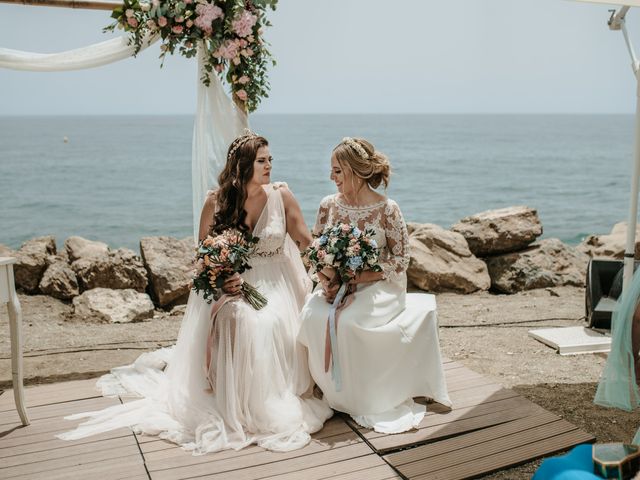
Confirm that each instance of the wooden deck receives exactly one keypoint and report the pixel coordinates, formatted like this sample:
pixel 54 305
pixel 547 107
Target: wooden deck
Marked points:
pixel 489 428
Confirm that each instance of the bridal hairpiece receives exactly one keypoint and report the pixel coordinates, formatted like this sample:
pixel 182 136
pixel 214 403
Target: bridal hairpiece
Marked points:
pixel 241 140
pixel 357 147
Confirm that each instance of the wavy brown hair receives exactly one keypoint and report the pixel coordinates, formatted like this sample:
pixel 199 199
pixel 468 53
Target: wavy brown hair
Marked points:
pixel 232 181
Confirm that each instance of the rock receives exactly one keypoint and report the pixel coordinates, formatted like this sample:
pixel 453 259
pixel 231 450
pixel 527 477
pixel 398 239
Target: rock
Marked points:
pixel 118 269
pixel 548 263
pixel 169 263
pixel 59 280
pixel 78 247
pixel 442 262
pixel 113 306
pixel 609 246
pixel 500 231
pixel 6 251
pixel 32 261
pixel 412 227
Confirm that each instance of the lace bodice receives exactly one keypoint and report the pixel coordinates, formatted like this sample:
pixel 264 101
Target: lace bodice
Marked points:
pixel 384 217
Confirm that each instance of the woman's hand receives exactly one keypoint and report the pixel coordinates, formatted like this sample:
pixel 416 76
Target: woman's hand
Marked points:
pixel 330 283
pixel 232 284
pixel 366 276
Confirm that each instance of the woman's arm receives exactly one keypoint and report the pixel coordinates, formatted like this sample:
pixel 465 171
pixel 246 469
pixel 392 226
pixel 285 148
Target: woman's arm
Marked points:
pixel 397 238
pixel 207 216
pixel 234 282
pixel 296 228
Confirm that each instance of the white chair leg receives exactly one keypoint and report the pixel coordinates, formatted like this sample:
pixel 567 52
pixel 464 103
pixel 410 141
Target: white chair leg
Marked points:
pixel 15 327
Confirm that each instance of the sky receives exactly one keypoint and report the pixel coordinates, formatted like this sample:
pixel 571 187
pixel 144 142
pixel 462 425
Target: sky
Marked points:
pixel 355 56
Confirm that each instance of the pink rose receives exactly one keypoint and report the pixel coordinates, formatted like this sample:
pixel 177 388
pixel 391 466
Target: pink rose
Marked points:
pixel 177 29
pixel 242 95
pixel 132 22
pixel 244 23
pixel 162 21
pixel 189 23
pixel 346 228
pixel 236 61
pixel 219 68
pixel 243 80
pixel 188 2
pixel 179 19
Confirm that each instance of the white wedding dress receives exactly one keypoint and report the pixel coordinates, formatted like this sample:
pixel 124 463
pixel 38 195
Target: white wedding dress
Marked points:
pixel 262 387
pixel 387 340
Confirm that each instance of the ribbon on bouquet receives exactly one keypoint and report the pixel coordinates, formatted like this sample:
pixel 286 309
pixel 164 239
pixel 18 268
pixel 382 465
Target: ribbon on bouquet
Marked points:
pixel 343 299
pixel 209 371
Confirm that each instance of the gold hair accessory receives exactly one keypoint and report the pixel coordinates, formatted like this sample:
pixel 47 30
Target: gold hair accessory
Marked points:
pixel 241 140
pixel 357 147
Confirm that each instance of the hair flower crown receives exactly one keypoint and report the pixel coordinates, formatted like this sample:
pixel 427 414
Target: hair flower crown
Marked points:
pixel 356 146
pixel 241 140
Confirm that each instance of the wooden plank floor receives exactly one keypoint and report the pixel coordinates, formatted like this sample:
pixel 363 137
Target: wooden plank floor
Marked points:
pixel 488 428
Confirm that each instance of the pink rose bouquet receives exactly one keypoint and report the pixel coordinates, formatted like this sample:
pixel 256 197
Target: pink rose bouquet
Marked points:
pixel 218 257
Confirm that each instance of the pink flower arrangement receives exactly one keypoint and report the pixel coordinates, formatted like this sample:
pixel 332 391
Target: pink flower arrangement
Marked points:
pixel 220 256
pixel 229 31
pixel 207 13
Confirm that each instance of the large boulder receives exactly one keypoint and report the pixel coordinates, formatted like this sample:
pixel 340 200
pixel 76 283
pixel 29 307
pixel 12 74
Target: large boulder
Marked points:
pixel 118 269
pixel 113 306
pixel 442 262
pixel 33 258
pixel 500 231
pixel 611 245
pixel 59 280
pixel 169 263
pixel 548 263
pixel 78 247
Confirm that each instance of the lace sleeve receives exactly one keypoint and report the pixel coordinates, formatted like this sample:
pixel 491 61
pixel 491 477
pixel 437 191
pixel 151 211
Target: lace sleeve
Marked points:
pixel 322 217
pixel 397 259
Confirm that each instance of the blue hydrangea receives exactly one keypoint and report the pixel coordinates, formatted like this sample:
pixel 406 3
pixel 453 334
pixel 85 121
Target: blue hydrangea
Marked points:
pixel 323 240
pixel 355 262
pixel 356 232
pixel 374 244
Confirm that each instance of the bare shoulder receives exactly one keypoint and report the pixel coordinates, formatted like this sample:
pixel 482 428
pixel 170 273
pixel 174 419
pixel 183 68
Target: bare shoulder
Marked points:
pixel 211 199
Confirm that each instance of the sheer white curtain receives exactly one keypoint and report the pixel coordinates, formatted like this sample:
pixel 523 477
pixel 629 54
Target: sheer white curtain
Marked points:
pixel 218 120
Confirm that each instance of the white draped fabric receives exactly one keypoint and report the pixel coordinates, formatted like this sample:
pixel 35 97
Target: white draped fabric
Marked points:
pixel 218 120
pixel 91 56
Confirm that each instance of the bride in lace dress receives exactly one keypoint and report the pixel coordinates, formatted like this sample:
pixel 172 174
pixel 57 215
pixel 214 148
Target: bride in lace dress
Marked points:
pixel 261 383
pixel 387 340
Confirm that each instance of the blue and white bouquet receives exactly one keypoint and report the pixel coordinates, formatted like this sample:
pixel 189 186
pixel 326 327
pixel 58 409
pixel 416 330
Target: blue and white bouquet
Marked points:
pixel 346 249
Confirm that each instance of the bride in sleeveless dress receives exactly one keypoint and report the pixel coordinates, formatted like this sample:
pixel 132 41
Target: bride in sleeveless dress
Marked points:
pixel 262 389
pixel 387 340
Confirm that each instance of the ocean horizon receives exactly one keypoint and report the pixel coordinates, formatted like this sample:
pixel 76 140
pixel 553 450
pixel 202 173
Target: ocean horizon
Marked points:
pixel 120 178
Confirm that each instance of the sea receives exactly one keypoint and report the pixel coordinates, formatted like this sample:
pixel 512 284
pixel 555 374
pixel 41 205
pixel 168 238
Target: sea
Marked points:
pixel 120 178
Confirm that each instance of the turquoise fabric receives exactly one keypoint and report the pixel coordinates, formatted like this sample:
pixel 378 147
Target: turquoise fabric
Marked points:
pixel 617 387
pixel 575 465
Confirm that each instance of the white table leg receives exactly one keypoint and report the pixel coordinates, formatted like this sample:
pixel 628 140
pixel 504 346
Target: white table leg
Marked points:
pixel 15 327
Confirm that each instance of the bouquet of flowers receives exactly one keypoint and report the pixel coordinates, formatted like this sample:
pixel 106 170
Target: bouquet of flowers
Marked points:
pixel 230 33
pixel 345 248
pixel 219 257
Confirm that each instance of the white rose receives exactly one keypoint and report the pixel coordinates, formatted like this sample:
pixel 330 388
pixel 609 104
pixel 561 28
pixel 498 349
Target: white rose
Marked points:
pixel 129 12
pixel 328 259
pixel 145 7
